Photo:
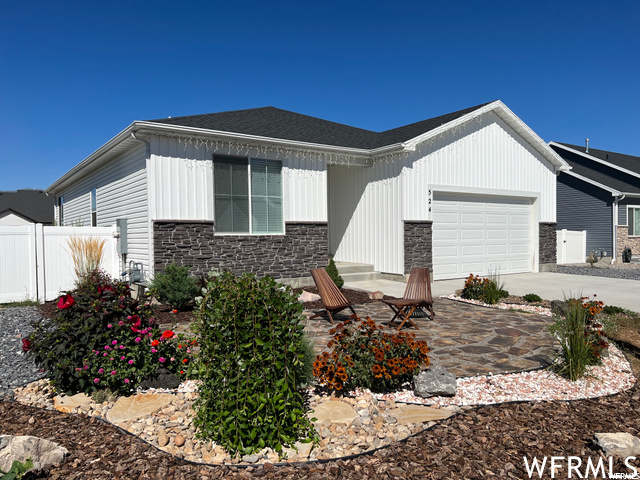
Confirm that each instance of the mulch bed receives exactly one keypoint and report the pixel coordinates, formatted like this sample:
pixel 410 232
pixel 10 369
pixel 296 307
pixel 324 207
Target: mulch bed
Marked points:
pixel 489 441
pixel 356 297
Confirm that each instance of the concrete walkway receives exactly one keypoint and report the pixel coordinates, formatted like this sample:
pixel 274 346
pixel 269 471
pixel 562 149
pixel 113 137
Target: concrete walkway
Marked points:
pixel 550 286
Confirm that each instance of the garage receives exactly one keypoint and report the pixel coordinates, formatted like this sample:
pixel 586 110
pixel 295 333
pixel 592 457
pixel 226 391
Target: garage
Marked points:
pixel 480 234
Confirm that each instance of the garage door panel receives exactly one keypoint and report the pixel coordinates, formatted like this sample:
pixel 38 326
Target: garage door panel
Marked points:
pixel 480 234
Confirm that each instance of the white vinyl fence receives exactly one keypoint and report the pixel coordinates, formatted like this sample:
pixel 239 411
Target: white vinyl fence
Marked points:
pixel 572 246
pixel 36 263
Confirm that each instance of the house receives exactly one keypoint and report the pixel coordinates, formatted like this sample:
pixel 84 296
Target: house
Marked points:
pixel 22 207
pixel 600 194
pixel 275 192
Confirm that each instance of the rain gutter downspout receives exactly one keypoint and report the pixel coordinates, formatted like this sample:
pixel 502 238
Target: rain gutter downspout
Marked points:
pixel 615 227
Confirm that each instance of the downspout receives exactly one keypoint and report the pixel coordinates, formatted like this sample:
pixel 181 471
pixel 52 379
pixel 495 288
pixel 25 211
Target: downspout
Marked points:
pixel 615 227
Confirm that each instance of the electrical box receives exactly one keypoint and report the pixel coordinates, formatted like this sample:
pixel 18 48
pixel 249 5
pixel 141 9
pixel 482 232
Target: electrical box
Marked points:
pixel 121 223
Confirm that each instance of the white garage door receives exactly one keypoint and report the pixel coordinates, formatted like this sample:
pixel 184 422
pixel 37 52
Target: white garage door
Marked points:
pixel 480 234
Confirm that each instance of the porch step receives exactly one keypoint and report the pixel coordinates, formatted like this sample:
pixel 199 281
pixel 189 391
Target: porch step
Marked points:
pixel 357 272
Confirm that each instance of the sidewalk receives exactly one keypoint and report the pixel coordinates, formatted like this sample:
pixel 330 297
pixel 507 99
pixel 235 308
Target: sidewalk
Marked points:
pixel 550 286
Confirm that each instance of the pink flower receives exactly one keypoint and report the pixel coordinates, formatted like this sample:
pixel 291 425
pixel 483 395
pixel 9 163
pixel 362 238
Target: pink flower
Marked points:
pixel 115 342
pixel 138 339
pixel 122 358
pixel 101 371
pixel 107 347
pixel 104 354
pixel 109 326
pixel 86 367
pixel 162 359
pixel 113 372
pixel 130 362
pixel 111 359
pixel 121 347
pixel 173 359
pixel 120 323
pixel 96 380
pixel 129 317
pixel 153 350
pixel 126 380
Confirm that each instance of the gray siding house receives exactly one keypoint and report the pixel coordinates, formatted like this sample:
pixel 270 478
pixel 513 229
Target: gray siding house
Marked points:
pixel 600 194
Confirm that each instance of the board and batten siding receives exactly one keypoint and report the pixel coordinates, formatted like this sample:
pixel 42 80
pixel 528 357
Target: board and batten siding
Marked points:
pixel 181 181
pixel 121 192
pixel 485 155
pixel 365 216
pixel 582 206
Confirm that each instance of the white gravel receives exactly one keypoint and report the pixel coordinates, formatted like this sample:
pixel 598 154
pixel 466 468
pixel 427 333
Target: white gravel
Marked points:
pixel 503 306
pixel 613 376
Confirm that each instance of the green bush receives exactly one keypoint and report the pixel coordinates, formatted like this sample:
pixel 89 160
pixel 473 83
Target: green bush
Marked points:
pixel 304 371
pixel 174 286
pixel 251 349
pixel 532 298
pixel 580 336
pixel 613 310
pixel 102 338
pixel 488 290
pixel 332 271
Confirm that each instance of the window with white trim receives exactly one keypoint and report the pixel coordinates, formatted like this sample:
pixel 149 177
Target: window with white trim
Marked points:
pixel 60 211
pixel 94 208
pixel 247 195
pixel 633 219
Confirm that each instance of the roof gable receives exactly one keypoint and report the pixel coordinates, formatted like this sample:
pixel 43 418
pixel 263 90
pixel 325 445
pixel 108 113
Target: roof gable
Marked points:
pixel 34 205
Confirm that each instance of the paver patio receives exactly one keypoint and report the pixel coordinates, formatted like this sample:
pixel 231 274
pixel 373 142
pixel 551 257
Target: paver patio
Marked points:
pixel 465 339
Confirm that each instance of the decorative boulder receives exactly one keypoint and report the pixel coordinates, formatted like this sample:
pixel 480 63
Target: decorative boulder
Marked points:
pixel 376 295
pixel 621 444
pixel 308 297
pixel 21 447
pixel 435 382
pixel 163 378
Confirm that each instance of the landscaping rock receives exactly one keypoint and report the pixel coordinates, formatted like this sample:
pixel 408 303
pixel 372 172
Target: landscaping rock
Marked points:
pixel 376 295
pixel 66 404
pixel 621 444
pixel 308 297
pixel 435 382
pixel 136 406
pixel 42 452
pixel 411 414
pixel 335 412
pixel 163 378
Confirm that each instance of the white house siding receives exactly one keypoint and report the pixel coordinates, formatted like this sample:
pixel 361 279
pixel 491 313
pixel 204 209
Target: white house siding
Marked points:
pixel 12 219
pixel 365 215
pixel 183 172
pixel 482 156
pixel 121 192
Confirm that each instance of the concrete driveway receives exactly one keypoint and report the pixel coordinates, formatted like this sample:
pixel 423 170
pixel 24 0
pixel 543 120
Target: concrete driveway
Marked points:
pixel 550 286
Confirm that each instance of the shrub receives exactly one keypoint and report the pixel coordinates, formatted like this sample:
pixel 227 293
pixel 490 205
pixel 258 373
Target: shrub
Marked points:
pixel 474 286
pixel 364 356
pixel 251 349
pixel 304 373
pixel 581 338
pixel 488 290
pixel 174 286
pixel 101 338
pixel 332 270
pixel 532 298
pixel 613 310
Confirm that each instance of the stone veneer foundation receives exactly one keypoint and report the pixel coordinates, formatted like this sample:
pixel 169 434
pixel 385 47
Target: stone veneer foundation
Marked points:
pixel 192 243
pixel 417 244
pixel 623 240
pixel 547 246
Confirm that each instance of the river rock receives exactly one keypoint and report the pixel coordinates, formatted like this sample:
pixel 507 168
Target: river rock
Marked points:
pixel 435 382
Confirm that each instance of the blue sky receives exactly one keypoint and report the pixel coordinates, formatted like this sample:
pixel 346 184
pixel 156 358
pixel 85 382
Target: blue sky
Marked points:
pixel 74 74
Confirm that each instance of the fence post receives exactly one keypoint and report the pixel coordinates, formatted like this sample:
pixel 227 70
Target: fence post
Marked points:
pixel 39 263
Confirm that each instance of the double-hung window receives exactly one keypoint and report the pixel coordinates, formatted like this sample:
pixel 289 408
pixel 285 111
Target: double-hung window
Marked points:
pixel 60 211
pixel 633 219
pixel 247 195
pixel 94 208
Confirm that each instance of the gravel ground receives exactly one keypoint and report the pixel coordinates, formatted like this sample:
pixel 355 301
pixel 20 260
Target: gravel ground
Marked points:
pixel 16 370
pixel 629 271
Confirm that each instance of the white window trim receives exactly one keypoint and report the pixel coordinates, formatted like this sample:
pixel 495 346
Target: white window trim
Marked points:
pixel 91 210
pixel 250 233
pixel 629 207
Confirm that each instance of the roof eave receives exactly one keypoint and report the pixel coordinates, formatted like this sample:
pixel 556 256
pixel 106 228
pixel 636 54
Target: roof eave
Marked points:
pixel 595 159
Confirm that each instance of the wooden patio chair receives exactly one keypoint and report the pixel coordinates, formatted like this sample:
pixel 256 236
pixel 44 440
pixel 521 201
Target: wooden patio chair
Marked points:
pixel 416 295
pixel 331 296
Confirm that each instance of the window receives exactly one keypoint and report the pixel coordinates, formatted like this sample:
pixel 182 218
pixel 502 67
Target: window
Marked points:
pixel 94 208
pixel 247 195
pixel 633 219
pixel 60 211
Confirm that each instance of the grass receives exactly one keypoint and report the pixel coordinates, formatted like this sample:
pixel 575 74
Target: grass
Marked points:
pixel 23 303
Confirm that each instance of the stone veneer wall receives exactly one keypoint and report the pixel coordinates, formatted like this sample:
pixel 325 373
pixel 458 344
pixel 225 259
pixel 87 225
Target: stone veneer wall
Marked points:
pixel 417 245
pixel 623 240
pixel 547 247
pixel 192 243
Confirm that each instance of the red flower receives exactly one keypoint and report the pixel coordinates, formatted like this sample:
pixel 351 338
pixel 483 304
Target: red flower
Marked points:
pixel 186 360
pixel 155 343
pixel 135 323
pixel 168 334
pixel 106 288
pixel 26 344
pixel 65 302
pixel 174 311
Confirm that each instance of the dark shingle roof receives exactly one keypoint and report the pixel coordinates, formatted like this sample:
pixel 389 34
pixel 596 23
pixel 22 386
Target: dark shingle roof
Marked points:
pixel 598 172
pixel 621 160
pixel 35 205
pixel 282 124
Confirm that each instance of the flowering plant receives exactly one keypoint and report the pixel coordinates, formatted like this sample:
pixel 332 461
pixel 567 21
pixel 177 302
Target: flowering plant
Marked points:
pixel 364 356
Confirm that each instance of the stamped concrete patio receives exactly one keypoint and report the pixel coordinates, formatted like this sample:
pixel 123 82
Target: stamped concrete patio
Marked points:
pixel 465 339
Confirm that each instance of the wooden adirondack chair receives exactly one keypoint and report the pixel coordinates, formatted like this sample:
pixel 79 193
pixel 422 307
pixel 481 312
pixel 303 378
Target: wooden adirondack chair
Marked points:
pixel 416 295
pixel 331 296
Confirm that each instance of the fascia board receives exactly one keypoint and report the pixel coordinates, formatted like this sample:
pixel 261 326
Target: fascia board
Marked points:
pixel 613 191
pixel 598 160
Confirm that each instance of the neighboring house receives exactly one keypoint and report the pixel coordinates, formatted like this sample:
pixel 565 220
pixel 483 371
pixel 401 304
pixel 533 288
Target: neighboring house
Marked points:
pixel 23 207
pixel 275 192
pixel 600 194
